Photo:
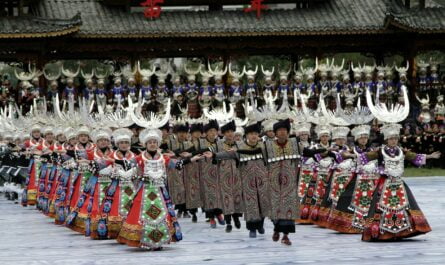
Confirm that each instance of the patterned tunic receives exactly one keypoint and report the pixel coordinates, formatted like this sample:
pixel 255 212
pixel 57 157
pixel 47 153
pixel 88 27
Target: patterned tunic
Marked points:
pixel 230 182
pixel 283 161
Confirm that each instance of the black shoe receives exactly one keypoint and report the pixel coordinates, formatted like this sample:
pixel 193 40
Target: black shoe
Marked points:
pixel 237 223
pixel 228 228
pixel 194 218
pixel 261 230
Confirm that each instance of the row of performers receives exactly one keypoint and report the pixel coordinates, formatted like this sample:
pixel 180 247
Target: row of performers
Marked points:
pixel 115 193
pixel 121 92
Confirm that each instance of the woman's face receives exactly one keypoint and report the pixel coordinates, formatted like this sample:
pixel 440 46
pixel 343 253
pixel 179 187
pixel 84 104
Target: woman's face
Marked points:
pixel 72 141
pixel 324 138
pixel 253 137
pixel 211 134
pixel 304 137
pixel 103 143
pixel 340 141
pixel 282 134
pixel 229 135
pixel 36 134
pixel 196 135
pixel 49 137
pixel 393 141
pixel 61 138
pixel 83 138
pixel 363 140
pixel 123 145
pixel 270 134
pixel 152 145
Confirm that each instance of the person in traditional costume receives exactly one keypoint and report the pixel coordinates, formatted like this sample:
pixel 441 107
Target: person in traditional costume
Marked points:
pixel 99 183
pixel 192 172
pixel 210 190
pixel 29 195
pixel 175 178
pixel 68 165
pixel 353 205
pixel 394 213
pixel 151 221
pixel 283 161
pixel 57 159
pixel 322 169
pixel 45 149
pixel 230 182
pixel 254 177
pixel 118 195
pixel 308 173
pixel 342 174
pixel 79 188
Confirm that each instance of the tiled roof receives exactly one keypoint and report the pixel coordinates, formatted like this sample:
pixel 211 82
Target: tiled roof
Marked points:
pixel 35 27
pixel 331 17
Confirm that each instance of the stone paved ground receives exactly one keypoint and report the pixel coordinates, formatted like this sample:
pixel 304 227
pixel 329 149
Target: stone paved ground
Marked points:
pixel 28 237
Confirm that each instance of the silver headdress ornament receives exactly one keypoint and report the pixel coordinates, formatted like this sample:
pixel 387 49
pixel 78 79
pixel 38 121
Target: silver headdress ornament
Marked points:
pixel 152 124
pixel 303 127
pixel 325 68
pixel 298 74
pixel 216 72
pixel 323 129
pixel 153 121
pixel 433 65
pixel 369 69
pixel 284 75
pixel 69 74
pixel 129 72
pixel 345 75
pixel 101 133
pixel 250 74
pixel 336 69
pixel 358 71
pixel 162 75
pixel 191 74
pixel 360 131
pixel 309 72
pixel 236 75
pixel 396 113
pixel 221 115
pixel 402 70
pixel 101 73
pixel 145 73
pixel 268 74
pixel 122 135
pixel 340 132
pixel 424 102
pixel 26 76
pixel 334 117
pixel 117 75
pixel 205 75
pixel 423 66
pixel 87 76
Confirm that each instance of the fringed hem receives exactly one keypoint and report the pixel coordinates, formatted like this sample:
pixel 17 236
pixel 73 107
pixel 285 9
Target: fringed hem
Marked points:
pixel 323 215
pixel 342 222
pixel 419 226
pixel 79 223
pixel 304 221
pixel 128 242
pixel 130 235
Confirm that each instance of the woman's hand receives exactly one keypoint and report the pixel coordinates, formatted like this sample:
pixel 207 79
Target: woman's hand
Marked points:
pixel 434 155
pixel 208 154
pixel 196 158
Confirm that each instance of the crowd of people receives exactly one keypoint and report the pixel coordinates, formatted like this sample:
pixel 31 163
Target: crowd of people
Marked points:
pixel 129 165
